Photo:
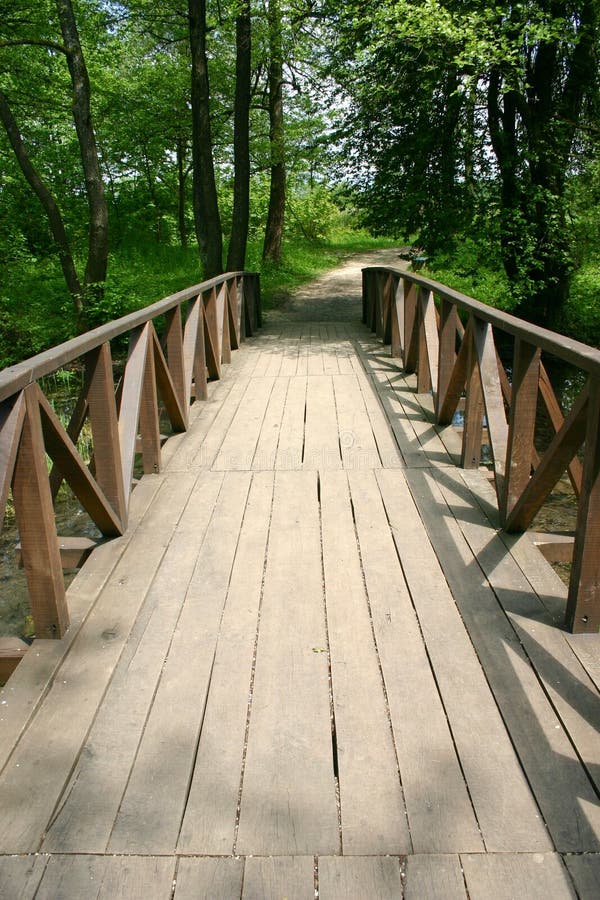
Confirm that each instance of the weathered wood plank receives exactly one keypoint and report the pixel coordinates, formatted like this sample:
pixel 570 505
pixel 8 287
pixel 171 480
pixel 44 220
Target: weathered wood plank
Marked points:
pixel 357 442
pixel 291 435
pixel 12 415
pixel 585 872
pixel 437 877
pixel 89 806
pixel 375 877
pixel 545 752
pixel 107 878
pixel 211 811
pixel 54 738
pixel 505 876
pixel 20 876
pixel 288 798
pixel 440 814
pixel 573 695
pixel 426 431
pixel 373 815
pixel 208 437
pixel 209 879
pixel 149 820
pixel 506 810
pixel 387 447
pixel 28 686
pixel 321 435
pixel 239 444
pixel 292 877
pixel 268 440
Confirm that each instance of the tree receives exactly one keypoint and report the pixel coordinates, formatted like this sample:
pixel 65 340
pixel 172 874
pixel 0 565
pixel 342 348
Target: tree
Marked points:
pixel 206 204
pixel 21 35
pixel 453 99
pixel 236 257
pixel 277 193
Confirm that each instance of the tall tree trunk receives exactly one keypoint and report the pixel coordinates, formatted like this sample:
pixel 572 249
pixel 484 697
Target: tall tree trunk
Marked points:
pixel 206 205
pixel 97 260
pixel 276 214
pixel 181 178
pixel 236 257
pixel 48 202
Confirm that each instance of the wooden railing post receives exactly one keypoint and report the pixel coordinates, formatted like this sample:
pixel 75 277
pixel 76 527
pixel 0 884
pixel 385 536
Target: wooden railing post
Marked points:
pixel 423 369
pixel 411 348
pixel 521 424
pixel 175 357
pixel 446 351
pixel 105 428
pixel 583 604
pixel 37 529
pixel 472 431
pixel 397 320
pixel 149 422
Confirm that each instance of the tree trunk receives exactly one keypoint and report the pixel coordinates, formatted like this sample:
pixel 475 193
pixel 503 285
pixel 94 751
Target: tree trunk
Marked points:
pixel 181 179
pixel 97 260
pixel 236 257
pixel 206 205
pixel 276 213
pixel 48 202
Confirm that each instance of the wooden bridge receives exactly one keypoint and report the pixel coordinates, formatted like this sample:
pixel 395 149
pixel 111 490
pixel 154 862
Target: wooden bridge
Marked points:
pixel 310 663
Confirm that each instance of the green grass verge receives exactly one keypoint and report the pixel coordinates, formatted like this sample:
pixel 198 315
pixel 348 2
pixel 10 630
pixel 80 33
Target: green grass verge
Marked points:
pixel 36 311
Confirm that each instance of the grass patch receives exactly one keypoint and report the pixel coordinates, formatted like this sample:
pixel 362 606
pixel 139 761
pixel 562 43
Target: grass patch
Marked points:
pixel 36 311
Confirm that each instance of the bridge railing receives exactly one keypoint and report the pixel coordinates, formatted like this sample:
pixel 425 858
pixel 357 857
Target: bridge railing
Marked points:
pixel 200 326
pixel 459 363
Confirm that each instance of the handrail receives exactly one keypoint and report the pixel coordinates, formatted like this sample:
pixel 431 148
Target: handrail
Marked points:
pixel 419 318
pixel 204 323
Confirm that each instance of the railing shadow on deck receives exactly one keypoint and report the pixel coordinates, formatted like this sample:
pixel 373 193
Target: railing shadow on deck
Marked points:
pixel 198 328
pixel 457 363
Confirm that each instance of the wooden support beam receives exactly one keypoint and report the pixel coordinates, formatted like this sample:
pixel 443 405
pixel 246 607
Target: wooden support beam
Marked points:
pixel 446 352
pixel 223 312
pixel 131 398
pixel 429 346
pixel 583 604
pixel 12 651
pixel 176 361
pixel 73 551
pixel 556 548
pixel 397 320
pixel 35 519
pixel 63 451
pixel 457 380
pixel 74 429
pixel 553 463
pixel 104 422
pixel 213 333
pixel 521 427
pixel 411 329
pixel 233 307
pixel 492 398
pixel 168 392
pixel 474 407
pixel 387 300
pixel 149 420
pixel 12 416
pixel 556 417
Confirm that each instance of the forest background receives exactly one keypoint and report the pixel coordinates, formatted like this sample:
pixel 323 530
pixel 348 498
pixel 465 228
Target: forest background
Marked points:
pixel 146 146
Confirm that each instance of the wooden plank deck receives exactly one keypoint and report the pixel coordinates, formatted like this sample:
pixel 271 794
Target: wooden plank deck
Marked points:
pixel 311 668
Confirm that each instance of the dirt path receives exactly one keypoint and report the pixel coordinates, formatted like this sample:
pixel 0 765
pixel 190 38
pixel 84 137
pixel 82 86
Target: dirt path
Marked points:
pixel 333 296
